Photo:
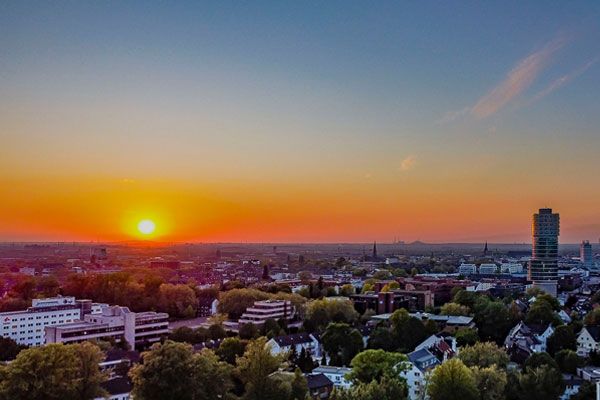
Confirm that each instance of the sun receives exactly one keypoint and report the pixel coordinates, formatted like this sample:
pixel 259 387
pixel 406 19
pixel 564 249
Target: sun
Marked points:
pixel 146 226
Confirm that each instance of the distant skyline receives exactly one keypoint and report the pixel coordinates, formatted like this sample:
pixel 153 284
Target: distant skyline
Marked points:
pixel 298 122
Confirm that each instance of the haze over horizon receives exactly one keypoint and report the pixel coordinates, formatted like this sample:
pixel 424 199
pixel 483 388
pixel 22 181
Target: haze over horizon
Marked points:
pixel 294 122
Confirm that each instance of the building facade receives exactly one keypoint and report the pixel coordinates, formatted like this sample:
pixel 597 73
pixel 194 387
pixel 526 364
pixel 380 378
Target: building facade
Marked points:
pixel 27 326
pixel 543 267
pixel 267 309
pixel 586 255
pixel 114 322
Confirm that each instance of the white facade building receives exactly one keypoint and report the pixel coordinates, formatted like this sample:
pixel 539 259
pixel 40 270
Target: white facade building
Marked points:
pixel 337 375
pixel 114 322
pixel 267 309
pixel 511 268
pixel 27 326
pixel 467 269
pixel 488 269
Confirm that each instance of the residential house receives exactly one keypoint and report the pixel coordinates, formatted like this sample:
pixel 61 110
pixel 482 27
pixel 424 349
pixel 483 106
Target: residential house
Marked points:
pixel 319 386
pixel 526 339
pixel 337 375
pixel 588 340
pixel 296 342
pixel 420 364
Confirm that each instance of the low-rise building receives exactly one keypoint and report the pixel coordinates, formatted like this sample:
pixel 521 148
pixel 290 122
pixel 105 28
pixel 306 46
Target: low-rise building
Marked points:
pixel 420 363
pixel 467 269
pixel 296 342
pixel 267 309
pixel 337 375
pixel 319 386
pixel 588 340
pixel 526 339
pixel 115 322
pixel 488 269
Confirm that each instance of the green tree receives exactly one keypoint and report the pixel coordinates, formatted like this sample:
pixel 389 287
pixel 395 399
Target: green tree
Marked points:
pixel 541 383
pixel 183 334
pixel 319 313
pixel 372 365
pixel 568 361
pixel 230 349
pixel 563 338
pixel 539 359
pixel 54 372
pixel 452 380
pixel 593 317
pixel 466 337
pixel 382 338
pixel 171 371
pixel 408 331
pixel 454 309
pixel 342 343
pixel 484 355
pixel 9 349
pixel 542 313
pixel 492 320
pixel 248 331
pixel 490 382
pixel 255 367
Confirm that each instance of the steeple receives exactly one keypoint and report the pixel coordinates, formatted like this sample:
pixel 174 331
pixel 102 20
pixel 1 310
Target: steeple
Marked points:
pixel 374 250
pixel 485 249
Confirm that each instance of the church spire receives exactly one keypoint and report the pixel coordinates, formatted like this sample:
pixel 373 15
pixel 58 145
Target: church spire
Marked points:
pixel 374 250
pixel 485 249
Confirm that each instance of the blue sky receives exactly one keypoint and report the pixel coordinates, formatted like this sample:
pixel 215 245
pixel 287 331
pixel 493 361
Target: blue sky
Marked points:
pixel 502 96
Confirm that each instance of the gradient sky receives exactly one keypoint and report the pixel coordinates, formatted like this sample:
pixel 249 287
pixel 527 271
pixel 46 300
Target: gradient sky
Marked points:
pixel 298 121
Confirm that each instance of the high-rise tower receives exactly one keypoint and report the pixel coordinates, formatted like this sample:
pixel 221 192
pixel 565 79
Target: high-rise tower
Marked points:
pixel 586 254
pixel 543 267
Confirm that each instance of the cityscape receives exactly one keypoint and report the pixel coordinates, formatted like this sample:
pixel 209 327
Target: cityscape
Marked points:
pixel 299 201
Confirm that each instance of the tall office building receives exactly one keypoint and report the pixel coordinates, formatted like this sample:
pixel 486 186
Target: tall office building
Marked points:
pixel 586 255
pixel 543 267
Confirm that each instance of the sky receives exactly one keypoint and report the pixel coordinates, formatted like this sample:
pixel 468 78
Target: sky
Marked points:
pixel 280 121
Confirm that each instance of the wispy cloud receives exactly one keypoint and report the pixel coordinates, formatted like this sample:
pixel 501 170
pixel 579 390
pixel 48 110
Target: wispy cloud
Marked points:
pixel 517 80
pixel 563 80
pixel 408 163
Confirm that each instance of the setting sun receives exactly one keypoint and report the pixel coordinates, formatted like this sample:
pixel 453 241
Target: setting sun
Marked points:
pixel 146 226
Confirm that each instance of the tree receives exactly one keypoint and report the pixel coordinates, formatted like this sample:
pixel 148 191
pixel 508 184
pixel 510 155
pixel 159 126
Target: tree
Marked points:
pixel 319 313
pixel 490 382
pixel 216 331
pixel 390 388
pixel 254 368
pixel 587 391
pixel 54 372
pixel 230 349
pixel 452 381
pixel 342 343
pixel 542 313
pixel 9 349
pixel 484 355
pixel 466 337
pixel 541 383
pixel 408 331
pixel 248 331
pixel 454 309
pixel 540 359
pixel 388 287
pixel 303 361
pixel 177 300
pixel 563 338
pixel 372 365
pixel 347 290
pixel 382 338
pixel 171 371
pixel 568 361
pixel 183 334
pixel 593 317
pixel 492 320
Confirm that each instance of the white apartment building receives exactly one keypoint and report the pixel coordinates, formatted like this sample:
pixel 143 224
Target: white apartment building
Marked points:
pixel 27 326
pixel 114 322
pixel 511 268
pixel 467 269
pixel 268 309
pixel 488 269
